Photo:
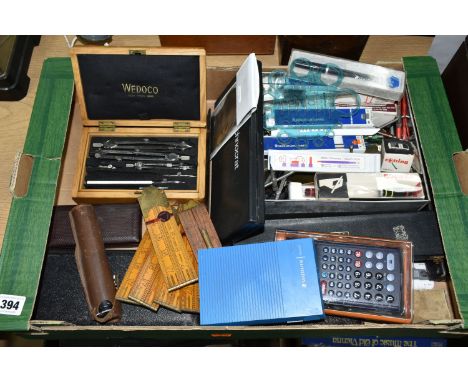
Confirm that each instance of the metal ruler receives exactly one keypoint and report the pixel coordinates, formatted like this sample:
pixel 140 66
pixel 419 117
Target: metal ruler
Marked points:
pixel 176 262
pixel 142 252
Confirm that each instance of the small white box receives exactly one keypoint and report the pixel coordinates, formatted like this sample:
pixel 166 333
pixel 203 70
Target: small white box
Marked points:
pixel 397 156
pixel 299 191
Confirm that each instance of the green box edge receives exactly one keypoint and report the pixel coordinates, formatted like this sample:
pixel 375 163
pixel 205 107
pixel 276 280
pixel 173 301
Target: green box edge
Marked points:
pixel 21 258
pixel 439 140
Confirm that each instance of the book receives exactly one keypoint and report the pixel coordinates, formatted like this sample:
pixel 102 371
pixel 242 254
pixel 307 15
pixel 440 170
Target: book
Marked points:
pixel 275 282
pixel 374 341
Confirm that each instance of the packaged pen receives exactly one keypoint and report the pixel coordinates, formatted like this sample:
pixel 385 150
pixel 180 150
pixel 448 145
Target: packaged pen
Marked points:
pixel 306 67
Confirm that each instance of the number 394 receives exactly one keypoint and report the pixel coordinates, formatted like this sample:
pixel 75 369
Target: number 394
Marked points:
pixel 9 304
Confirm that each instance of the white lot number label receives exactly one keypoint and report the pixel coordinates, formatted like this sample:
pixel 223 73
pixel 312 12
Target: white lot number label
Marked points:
pixel 11 305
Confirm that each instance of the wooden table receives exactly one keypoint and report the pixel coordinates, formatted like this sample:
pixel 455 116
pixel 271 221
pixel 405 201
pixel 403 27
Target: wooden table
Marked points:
pixel 14 116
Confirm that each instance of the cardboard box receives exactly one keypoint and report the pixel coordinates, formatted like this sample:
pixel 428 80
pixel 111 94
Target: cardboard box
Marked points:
pixel 21 259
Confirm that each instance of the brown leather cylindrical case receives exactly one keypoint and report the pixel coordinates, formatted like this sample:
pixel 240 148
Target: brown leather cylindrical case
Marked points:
pixel 93 265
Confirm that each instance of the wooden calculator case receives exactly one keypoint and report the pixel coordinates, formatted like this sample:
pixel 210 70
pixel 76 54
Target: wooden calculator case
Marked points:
pixel 137 92
pixel 405 316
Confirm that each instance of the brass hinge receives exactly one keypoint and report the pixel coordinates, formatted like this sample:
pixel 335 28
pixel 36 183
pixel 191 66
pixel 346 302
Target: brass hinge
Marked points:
pixel 106 126
pixel 181 127
pixel 137 52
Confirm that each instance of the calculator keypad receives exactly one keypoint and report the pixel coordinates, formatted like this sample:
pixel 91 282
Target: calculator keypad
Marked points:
pixel 363 277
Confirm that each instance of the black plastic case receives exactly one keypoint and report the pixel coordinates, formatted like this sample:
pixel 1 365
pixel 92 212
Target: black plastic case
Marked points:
pixel 421 228
pixel 236 191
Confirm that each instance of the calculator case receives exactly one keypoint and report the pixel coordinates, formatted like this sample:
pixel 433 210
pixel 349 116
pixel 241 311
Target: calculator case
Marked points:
pixel 140 92
pixel 236 192
pixel 405 315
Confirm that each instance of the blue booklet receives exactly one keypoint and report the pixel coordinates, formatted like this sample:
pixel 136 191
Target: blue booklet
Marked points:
pixel 261 283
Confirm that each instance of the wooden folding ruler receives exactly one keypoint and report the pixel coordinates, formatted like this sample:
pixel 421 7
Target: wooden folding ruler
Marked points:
pixel 199 229
pixel 144 287
pixel 177 264
pixel 186 299
pixel 143 251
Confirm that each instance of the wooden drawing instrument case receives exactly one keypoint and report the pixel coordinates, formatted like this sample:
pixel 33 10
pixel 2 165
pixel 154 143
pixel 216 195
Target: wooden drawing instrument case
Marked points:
pixel 157 94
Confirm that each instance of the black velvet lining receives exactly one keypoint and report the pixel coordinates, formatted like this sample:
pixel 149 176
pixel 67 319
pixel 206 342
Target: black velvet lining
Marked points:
pixel 61 298
pixel 107 81
pixel 118 169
